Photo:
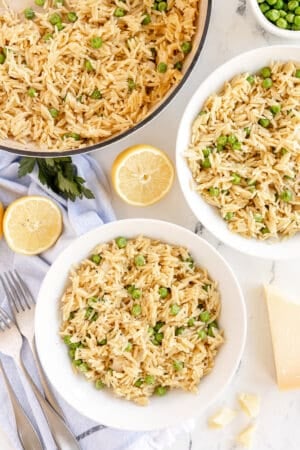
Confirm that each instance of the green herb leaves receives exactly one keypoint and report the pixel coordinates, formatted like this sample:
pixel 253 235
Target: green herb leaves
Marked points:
pixel 59 174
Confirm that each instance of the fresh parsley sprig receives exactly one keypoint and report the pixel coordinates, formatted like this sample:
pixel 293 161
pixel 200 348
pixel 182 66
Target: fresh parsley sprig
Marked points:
pixel 59 174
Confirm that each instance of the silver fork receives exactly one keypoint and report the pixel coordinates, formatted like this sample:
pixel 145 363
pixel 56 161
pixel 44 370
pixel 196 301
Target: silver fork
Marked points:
pixel 26 432
pixel 10 345
pixel 22 305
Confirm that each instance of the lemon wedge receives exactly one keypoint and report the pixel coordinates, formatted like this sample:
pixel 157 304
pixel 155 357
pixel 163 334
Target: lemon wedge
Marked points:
pixel 1 219
pixel 142 175
pixel 32 224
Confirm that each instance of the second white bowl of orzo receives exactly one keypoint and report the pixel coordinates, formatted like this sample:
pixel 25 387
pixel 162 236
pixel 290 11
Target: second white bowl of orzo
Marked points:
pixel 145 321
pixel 238 152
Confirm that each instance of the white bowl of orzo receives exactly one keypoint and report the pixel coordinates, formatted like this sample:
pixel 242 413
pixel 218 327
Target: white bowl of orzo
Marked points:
pixel 238 152
pixel 140 324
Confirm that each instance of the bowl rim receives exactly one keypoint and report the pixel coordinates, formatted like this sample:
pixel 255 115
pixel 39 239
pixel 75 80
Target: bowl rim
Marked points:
pixel 252 250
pixel 269 26
pixel 136 127
pixel 232 370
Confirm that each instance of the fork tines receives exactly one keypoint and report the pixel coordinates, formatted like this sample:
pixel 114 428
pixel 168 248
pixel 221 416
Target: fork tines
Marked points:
pixel 5 320
pixel 16 291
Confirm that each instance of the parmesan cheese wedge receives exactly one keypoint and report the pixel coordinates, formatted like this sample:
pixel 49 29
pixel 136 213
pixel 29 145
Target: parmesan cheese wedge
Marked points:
pixel 245 438
pixel 222 418
pixel 250 404
pixel 284 317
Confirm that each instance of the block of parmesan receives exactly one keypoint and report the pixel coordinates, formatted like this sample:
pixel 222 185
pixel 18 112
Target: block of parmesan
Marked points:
pixel 284 317
pixel 245 438
pixel 250 404
pixel 222 418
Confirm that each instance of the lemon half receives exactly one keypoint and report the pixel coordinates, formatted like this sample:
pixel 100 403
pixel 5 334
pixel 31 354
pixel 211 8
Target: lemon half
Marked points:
pixel 32 224
pixel 142 175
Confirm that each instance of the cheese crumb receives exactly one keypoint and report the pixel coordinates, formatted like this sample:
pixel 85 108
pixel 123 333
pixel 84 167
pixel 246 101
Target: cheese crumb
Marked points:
pixel 250 404
pixel 222 418
pixel 245 438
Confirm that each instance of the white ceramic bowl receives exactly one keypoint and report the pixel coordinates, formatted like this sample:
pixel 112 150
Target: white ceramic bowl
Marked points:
pixel 103 406
pixel 250 62
pixel 269 26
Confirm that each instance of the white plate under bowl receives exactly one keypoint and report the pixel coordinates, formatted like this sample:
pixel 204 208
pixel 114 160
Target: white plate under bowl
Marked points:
pixel 103 406
pixel 250 62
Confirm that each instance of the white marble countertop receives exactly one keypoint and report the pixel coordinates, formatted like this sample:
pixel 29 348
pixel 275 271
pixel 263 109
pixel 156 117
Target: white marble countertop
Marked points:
pixel 232 30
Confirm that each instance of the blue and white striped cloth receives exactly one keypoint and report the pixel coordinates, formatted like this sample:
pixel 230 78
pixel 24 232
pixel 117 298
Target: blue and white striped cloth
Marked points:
pixel 79 217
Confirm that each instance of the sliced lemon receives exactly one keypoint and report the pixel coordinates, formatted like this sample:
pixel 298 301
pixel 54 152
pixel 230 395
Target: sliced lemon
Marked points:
pixel 1 219
pixel 142 175
pixel 32 224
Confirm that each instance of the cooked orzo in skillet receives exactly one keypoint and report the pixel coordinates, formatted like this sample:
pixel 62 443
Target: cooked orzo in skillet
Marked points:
pixel 75 72
pixel 245 152
pixel 140 317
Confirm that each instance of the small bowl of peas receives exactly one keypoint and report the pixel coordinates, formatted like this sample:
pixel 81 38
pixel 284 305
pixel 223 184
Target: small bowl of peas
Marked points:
pixel 279 17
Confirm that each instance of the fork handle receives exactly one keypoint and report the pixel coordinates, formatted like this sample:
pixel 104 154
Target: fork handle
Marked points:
pixel 47 389
pixel 62 435
pixel 26 432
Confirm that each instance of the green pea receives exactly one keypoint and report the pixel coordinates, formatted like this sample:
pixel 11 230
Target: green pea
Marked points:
pixel 102 342
pixel 267 83
pixel 191 322
pixel 204 316
pixel 286 196
pixel 222 140
pixel 72 315
pixel 99 384
pixel 265 230
pixel 88 65
pixel 139 261
pixel 96 259
pixel 150 331
pixel 205 287
pixel 59 3
pixel 146 20
pixel 128 347
pixel 271 2
pixel 130 289
pixel 29 13
pixel 72 16
pixel 179 331
pixel 272 15
pixel 186 47
pixel 39 2
pixel 297 11
pixel 281 23
pixel 163 292
pixel 161 391
pixel 162 67
pixel 250 79
pixel 83 367
pixel 121 242
pixel 67 340
pixel 265 123
pixel 190 261
pixel 2 58
pixel 131 84
pixel 59 26
pixel 72 352
pixel 162 6
pixel 297 73
pixel 92 301
pixel 31 92
pixel 149 379
pixel 159 337
pixel 178 65
pixel 264 7
pixel 247 131
pixel 77 362
pixel 293 4
pixel 48 36
pixel 96 42
pixel 136 294
pixel 232 139
pixel 290 17
pixel 90 313
pixel 236 179
pixel 206 164
pixel 279 4
pixel 136 310
pixel 174 309
pixel 54 113
pixel 139 382
pixel 202 334
pixel 55 18
pixel 211 327
pixel 236 146
pixel 265 72
pixel 206 152
pixel 297 21
pixel 178 365
pixel 258 218
pixel 275 109
pixel 214 192
pixel 119 12
pixel 96 94
pixel 229 216
pixel 158 326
